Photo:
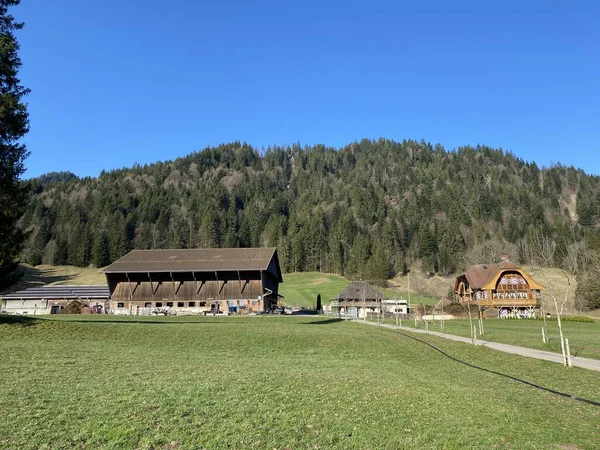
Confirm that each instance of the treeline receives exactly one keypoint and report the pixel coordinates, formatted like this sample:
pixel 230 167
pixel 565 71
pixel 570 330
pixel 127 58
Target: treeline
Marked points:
pixel 368 210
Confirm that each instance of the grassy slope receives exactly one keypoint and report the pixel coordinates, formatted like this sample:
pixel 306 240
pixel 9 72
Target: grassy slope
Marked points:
pixel 301 289
pixel 265 382
pixel 40 275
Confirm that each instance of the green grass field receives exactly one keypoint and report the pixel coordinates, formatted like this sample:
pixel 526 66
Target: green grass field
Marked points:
pixel 301 289
pixel 584 338
pixel 274 382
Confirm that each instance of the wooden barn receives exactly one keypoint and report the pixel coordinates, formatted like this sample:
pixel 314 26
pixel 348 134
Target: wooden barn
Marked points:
pixel 53 299
pixel 503 289
pixel 194 281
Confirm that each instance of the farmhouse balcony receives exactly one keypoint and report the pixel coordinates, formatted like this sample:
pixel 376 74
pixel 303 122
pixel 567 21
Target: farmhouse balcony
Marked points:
pixel 509 302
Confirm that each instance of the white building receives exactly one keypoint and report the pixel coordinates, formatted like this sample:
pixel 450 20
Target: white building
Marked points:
pixel 52 299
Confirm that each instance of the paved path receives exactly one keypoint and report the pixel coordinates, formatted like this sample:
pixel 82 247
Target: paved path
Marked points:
pixel 586 363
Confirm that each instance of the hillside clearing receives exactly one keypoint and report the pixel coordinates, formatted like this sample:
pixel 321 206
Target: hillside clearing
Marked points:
pixel 273 382
pixel 45 274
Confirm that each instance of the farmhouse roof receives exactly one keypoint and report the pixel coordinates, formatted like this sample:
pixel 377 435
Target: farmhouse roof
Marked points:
pixel 196 260
pixel 60 292
pixel 361 290
pixel 480 274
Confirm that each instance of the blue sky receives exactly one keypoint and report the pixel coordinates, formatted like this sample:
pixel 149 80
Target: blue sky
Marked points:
pixel 118 82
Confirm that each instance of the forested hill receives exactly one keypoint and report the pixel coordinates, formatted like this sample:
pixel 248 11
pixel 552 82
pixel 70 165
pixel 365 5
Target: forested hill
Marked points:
pixel 367 210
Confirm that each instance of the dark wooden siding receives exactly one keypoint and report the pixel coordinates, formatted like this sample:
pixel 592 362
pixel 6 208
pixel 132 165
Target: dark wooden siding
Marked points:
pixel 188 290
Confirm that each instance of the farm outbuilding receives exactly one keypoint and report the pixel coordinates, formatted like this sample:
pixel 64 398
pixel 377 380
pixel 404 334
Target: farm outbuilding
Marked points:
pixel 53 299
pixel 503 289
pixel 360 298
pixel 225 280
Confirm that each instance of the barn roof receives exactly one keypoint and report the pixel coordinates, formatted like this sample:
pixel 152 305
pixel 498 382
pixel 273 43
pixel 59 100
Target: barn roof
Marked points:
pixel 60 292
pixel 361 290
pixel 197 260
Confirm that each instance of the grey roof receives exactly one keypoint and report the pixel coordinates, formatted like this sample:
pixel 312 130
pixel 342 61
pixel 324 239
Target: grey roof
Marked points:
pixel 361 290
pixel 196 260
pixel 60 292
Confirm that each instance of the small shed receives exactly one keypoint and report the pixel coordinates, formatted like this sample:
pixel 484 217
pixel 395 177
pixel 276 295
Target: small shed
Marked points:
pixel 361 297
pixel 444 302
pixel 54 298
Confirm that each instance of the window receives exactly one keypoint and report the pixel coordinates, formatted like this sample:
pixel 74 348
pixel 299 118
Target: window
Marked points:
pixel 191 304
pixel 202 303
pixel 180 304
pixel 120 305
pixel 169 304
pixel 159 304
pixel 148 305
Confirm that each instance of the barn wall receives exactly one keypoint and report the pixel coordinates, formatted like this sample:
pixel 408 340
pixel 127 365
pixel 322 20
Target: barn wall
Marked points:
pixel 187 291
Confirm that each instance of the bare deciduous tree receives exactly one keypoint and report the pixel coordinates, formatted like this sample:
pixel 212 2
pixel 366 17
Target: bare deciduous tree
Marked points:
pixel 541 251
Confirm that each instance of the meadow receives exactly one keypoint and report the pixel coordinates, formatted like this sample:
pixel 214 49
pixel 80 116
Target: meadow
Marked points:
pixel 584 338
pixel 274 382
pixel 301 289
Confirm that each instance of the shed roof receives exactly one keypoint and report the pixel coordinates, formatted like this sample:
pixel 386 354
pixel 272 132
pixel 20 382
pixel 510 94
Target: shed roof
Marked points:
pixel 361 290
pixel 60 292
pixel 197 260
pixel 441 303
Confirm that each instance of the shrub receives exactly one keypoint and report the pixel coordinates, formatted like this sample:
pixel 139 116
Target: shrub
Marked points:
pixel 571 319
pixel 582 319
pixel 461 309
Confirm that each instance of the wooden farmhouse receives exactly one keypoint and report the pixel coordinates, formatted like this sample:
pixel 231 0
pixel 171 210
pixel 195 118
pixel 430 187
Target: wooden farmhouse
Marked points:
pixel 503 289
pixel 218 280
pixel 53 299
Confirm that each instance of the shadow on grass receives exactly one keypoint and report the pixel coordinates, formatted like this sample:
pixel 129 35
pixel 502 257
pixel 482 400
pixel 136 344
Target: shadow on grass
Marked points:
pixel 323 322
pixel 142 322
pixel 24 321
pixel 34 277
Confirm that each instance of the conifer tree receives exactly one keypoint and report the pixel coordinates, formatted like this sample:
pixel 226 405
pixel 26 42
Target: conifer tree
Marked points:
pixel 101 251
pixel 14 124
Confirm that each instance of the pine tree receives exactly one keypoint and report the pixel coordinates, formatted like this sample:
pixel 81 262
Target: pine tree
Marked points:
pixel 61 255
pixel 427 249
pixel 101 251
pixel 39 244
pixel 118 238
pixel 14 124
